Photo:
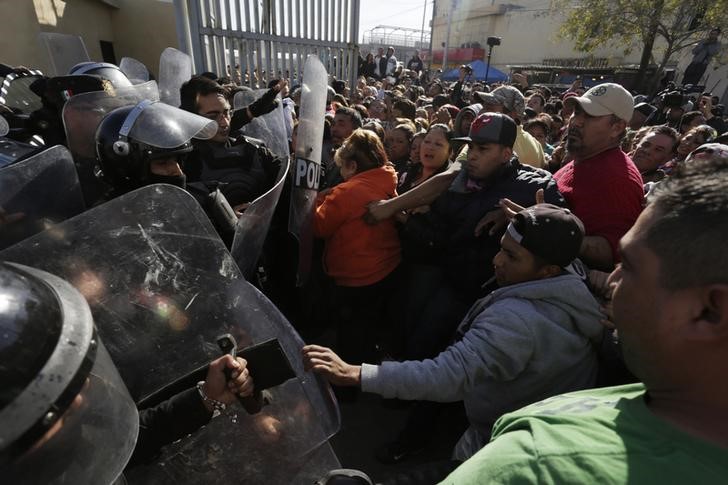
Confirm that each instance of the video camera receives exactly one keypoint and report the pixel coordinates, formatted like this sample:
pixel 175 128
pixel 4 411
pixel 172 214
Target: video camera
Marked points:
pixel 467 68
pixel 673 99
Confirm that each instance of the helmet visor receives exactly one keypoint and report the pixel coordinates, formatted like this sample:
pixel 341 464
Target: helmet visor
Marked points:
pixel 160 125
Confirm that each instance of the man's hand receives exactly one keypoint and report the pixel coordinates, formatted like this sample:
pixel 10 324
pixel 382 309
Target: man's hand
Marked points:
pixel 268 102
pixel 496 221
pixel 443 115
pixel 216 387
pixel 240 208
pixel 378 211
pixel 6 218
pixel 324 361
pixel 520 80
pixel 706 107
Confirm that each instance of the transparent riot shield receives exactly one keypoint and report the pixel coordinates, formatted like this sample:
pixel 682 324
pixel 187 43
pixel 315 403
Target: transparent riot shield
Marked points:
pixel 83 113
pixel 252 227
pixel 162 287
pixel 37 193
pixel 175 68
pixel 307 166
pixel 134 70
pixel 271 127
pixel 15 92
pixel 64 51
pixel 12 151
pixel 73 395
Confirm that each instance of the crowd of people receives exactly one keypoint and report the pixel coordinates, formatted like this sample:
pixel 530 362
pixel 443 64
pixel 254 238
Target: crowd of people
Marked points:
pixel 496 245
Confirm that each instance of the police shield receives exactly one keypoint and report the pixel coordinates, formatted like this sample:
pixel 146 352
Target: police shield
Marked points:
pixel 270 128
pixel 134 70
pixel 37 193
pixel 65 398
pixel 175 68
pixel 307 166
pixel 64 51
pixel 15 92
pixel 162 287
pixel 252 226
pixel 83 113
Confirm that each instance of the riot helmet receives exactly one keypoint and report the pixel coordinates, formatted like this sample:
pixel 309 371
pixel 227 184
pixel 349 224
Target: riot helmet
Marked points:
pixel 104 70
pixel 65 414
pixel 129 138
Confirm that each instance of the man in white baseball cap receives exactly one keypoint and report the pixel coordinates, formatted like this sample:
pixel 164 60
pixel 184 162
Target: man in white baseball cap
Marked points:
pixel 602 185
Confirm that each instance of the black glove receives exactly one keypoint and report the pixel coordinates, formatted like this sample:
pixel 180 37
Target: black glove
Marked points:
pixel 266 103
pixel 263 105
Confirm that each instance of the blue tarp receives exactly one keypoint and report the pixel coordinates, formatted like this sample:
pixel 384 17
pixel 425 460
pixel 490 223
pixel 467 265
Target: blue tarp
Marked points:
pixel 478 73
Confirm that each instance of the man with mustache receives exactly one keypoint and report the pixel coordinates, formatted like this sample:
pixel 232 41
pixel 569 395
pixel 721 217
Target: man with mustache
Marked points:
pixel 601 185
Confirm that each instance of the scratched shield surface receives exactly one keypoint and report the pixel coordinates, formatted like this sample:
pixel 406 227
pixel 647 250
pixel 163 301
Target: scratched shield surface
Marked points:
pixel 162 287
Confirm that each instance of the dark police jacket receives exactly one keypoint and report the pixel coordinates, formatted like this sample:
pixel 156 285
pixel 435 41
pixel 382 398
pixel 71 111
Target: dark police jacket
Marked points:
pixel 243 168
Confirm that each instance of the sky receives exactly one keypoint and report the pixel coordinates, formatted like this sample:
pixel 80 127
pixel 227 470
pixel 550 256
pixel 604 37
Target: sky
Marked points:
pixel 397 13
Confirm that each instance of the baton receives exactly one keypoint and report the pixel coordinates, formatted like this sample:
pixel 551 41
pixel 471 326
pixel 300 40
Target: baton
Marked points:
pixel 252 404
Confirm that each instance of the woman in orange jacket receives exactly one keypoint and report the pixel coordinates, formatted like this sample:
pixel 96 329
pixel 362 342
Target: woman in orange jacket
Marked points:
pixel 360 258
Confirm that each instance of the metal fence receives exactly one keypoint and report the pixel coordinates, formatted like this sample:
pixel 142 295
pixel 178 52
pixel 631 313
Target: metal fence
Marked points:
pixel 254 41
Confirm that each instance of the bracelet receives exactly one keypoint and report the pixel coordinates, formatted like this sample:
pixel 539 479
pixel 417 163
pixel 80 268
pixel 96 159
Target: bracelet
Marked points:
pixel 218 406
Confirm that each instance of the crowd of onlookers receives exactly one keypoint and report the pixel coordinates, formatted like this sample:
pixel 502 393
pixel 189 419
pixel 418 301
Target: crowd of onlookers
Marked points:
pixel 465 234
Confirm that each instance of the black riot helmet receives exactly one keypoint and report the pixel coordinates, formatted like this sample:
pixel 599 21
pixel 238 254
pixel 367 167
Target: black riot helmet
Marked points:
pixel 104 70
pixel 65 414
pixel 128 138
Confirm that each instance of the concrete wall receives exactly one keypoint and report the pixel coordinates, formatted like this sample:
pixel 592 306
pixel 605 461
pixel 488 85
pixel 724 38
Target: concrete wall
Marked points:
pixel 137 28
pixel 528 30
pixel 143 29
pixel 24 19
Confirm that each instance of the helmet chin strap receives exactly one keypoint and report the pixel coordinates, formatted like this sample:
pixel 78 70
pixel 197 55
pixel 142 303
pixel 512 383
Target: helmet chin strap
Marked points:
pixel 121 146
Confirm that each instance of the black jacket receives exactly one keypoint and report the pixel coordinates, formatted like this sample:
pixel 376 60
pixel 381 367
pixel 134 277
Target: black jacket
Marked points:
pixel 446 234
pixel 243 169
pixel 169 421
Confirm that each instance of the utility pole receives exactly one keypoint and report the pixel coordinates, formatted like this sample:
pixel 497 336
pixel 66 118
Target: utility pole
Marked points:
pixel 453 5
pixel 422 31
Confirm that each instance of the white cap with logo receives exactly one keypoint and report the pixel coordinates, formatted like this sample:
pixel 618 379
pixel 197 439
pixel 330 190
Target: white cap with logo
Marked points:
pixel 606 99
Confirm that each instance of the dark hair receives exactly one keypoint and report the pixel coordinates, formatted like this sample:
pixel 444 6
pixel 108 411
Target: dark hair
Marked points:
pixel 446 131
pixel 667 131
pixel 363 111
pixel 406 107
pixel 539 95
pixel 444 128
pixel 407 129
pixel 707 132
pixel 537 123
pixel 341 100
pixel 353 115
pixel 439 101
pixel 375 127
pixel 194 88
pixel 688 117
pixel 365 148
pixel 688 232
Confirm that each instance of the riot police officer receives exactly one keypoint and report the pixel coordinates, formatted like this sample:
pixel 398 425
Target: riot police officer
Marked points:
pixel 243 167
pixel 65 414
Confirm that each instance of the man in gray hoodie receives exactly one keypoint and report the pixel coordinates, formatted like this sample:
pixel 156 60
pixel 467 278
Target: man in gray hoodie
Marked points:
pixel 530 339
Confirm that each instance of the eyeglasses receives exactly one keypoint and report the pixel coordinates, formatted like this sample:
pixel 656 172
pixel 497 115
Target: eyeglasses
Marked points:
pixel 215 115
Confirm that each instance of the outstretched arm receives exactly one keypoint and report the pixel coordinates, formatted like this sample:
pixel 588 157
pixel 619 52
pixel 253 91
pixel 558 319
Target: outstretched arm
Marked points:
pixel 423 194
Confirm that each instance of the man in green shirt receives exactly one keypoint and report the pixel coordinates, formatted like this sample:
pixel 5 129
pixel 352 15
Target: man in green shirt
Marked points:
pixel 670 306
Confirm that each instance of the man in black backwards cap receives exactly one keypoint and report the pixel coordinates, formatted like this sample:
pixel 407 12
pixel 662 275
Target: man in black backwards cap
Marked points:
pixel 529 339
